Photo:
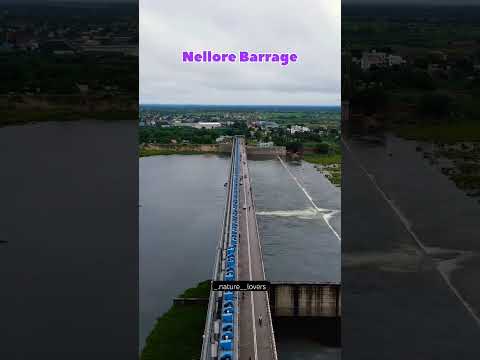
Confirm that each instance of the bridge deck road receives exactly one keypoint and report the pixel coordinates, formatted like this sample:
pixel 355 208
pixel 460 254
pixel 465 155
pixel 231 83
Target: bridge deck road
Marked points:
pixel 255 340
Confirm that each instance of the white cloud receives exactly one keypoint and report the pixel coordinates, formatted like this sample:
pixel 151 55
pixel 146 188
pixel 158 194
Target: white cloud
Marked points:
pixel 309 28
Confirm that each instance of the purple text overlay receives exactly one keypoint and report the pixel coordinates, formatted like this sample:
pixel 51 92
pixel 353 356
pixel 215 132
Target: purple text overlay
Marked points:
pixel 243 56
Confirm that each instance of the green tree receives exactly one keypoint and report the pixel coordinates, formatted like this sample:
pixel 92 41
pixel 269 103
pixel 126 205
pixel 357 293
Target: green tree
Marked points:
pixel 435 105
pixel 295 147
pixel 322 148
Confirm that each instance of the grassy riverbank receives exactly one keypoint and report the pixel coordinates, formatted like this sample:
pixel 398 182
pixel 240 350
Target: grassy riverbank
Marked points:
pixel 323 159
pixel 180 149
pixel 448 132
pixel 178 333
pixel 20 117
pixel 327 164
pixel 459 142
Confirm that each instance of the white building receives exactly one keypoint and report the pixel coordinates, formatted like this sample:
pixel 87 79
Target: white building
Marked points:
pixel 379 59
pixel 223 139
pixel 297 128
pixel 207 125
pixel 373 58
pixel 199 125
pixel 395 60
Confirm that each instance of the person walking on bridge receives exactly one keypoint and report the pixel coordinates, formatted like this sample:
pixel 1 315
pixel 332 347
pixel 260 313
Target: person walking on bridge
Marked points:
pixel 260 320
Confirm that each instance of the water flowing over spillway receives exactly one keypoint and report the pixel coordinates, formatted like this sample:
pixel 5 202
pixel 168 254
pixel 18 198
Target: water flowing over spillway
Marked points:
pixel 298 213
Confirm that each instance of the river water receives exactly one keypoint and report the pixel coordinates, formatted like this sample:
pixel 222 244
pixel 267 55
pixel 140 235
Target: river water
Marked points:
pixel 68 240
pixel 299 220
pixel 181 206
pixel 182 199
pixel 415 231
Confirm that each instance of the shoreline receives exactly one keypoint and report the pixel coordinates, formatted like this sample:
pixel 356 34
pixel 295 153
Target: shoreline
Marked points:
pixel 330 165
pixel 157 152
pixel 20 117
pixel 152 149
pixel 177 333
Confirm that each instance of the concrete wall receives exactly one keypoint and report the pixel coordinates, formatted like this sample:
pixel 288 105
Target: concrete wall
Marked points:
pixel 217 148
pixel 270 151
pixel 225 148
pixel 305 300
pixel 202 148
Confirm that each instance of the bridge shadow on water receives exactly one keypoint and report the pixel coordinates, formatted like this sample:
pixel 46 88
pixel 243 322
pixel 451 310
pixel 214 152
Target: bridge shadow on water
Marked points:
pixel 322 331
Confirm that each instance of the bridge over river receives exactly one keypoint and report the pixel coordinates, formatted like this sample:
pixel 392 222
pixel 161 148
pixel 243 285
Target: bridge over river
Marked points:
pixel 239 324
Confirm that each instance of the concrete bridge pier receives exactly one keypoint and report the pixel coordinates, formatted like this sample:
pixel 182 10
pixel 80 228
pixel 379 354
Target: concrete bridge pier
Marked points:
pixel 305 300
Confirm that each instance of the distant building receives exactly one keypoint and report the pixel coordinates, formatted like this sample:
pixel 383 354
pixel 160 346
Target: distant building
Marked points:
pixel 266 124
pixel 357 60
pixel 199 125
pixel 21 39
pixel 465 44
pixel 395 60
pixel 131 50
pixel 223 140
pixel 83 88
pixel 439 70
pixel 297 128
pixel 58 47
pixel 207 125
pixel 379 59
pixel 438 56
pixel 373 58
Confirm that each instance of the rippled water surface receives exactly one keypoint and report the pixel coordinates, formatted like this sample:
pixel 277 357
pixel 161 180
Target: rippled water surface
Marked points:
pixel 182 200
pixel 298 212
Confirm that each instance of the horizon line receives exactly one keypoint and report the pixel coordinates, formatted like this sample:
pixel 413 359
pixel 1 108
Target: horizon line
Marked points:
pixel 171 104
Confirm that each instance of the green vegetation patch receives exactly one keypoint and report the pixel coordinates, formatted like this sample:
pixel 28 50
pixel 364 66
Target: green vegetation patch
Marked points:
pixel 335 177
pixel 177 335
pixel 202 290
pixel 466 182
pixel 165 135
pixel 323 159
pixel 59 75
pixel 328 164
pixel 469 168
pixel 449 133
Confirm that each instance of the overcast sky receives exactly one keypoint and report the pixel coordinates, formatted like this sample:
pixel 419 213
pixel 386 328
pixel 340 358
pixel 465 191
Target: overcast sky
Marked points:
pixel 415 2
pixel 309 28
